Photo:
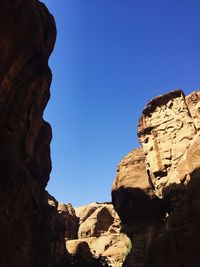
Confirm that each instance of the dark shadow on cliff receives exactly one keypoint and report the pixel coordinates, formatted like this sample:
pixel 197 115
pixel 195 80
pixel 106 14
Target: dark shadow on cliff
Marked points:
pixel 164 232
pixel 142 216
pixel 179 242
pixel 84 257
pixel 135 205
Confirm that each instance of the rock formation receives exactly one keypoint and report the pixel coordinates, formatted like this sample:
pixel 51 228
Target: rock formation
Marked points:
pixel 99 234
pixel 70 219
pixel 31 230
pixel 156 192
pixel 33 226
pixel 160 184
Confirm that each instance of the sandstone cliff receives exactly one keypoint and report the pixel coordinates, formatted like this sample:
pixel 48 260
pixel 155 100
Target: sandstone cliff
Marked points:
pixel 31 230
pixel 33 226
pixel 94 232
pixel 160 182
pixel 156 191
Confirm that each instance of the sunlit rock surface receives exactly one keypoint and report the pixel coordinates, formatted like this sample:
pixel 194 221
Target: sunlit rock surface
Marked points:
pixel 162 215
pixel 99 234
pixel 166 130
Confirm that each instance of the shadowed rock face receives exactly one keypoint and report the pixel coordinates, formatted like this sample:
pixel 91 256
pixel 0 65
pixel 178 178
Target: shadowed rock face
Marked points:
pixel 70 219
pixel 139 209
pixel 159 205
pixel 31 231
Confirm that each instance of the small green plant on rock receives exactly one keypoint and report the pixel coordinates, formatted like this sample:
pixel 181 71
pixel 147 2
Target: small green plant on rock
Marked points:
pixel 128 248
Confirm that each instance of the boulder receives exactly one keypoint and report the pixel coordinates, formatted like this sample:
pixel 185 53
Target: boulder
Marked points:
pixel 100 228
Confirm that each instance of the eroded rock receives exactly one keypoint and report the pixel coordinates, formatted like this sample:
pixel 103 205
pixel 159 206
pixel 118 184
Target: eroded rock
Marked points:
pixel 71 220
pixel 100 229
pixel 165 131
pixel 162 221
pixel 138 207
pixel 31 231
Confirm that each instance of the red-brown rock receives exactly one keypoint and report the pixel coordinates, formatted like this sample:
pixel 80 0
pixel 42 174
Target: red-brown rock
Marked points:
pixel 31 231
pixel 71 220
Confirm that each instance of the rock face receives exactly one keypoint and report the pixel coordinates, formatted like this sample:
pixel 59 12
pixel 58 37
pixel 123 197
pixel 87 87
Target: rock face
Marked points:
pixel 71 220
pixel 136 204
pixel 31 231
pixel 165 131
pixel 163 212
pixel 99 235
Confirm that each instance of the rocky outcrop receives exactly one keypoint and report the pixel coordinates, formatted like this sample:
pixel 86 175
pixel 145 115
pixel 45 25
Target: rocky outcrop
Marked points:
pixel 95 220
pixel 130 169
pixel 31 231
pixel 99 234
pixel 137 206
pixel 166 130
pixel 162 217
pixel 71 220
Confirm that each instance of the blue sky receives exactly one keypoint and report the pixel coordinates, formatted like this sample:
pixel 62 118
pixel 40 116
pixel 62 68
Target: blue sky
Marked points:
pixel 110 58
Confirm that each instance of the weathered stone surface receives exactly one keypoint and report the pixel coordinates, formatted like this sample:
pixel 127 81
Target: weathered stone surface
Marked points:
pixel 165 130
pixel 83 257
pixel 132 171
pixel 193 103
pixel 31 231
pixel 71 220
pixel 164 226
pixel 136 204
pixel 100 229
pixel 96 224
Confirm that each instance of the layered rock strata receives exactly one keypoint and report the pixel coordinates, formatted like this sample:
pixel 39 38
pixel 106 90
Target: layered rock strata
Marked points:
pixel 99 234
pixel 162 216
pixel 31 231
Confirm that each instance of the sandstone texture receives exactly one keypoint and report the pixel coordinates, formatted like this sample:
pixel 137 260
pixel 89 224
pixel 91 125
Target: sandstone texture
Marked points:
pixel 99 235
pixel 160 182
pixel 31 230
pixel 70 219
pixel 166 130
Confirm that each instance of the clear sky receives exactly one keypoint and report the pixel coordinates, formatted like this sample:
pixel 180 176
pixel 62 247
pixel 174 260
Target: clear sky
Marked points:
pixel 110 58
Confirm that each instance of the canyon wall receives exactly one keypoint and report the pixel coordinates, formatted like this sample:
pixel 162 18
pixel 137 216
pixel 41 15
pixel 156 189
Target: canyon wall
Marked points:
pixel 33 225
pixel 31 230
pixel 157 188
pixel 156 192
